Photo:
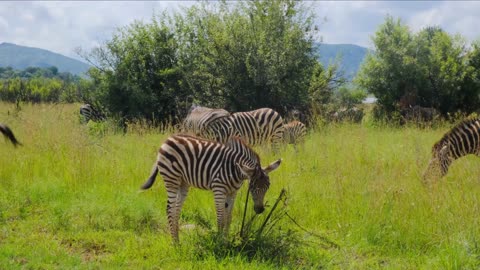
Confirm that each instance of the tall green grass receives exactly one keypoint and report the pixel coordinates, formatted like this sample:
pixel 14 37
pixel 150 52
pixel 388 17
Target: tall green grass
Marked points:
pixel 69 199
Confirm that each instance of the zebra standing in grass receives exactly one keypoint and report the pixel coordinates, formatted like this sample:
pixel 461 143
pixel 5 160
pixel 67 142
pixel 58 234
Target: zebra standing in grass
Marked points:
pixel 294 132
pixel 254 127
pixel 461 140
pixel 7 132
pixel 200 117
pixel 88 112
pixel 185 161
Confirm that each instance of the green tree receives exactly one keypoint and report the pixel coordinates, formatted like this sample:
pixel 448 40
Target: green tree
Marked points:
pixel 136 72
pixel 247 55
pixel 430 68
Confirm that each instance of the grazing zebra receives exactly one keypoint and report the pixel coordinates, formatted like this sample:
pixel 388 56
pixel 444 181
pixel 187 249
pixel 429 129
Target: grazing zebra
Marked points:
pixel 254 127
pixel 185 161
pixel 7 132
pixel 200 117
pixel 88 112
pixel 294 132
pixel 461 140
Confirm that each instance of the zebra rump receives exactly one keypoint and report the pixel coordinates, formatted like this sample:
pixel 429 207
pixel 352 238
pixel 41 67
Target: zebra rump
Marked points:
pixel 199 118
pixel 294 132
pixel 88 112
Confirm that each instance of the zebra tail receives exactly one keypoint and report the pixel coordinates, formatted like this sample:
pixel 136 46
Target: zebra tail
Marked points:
pixel 151 179
pixel 7 132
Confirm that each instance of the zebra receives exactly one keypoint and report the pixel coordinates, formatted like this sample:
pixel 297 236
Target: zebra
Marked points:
pixel 294 132
pixel 184 160
pixel 7 132
pixel 461 140
pixel 88 112
pixel 199 118
pixel 254 127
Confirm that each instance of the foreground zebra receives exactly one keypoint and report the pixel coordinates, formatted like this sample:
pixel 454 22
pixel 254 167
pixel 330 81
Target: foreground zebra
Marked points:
pixel 7 132
pixel 461 140
pixel 199 118
pixel 294 132
pixel 88 112
pixel 185 161
pixel 254 127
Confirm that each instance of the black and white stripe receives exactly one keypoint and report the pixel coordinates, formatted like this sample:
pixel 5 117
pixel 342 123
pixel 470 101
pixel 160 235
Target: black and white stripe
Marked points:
pixel 461 140
pixel 7 132
pixel 254 127
pixel 294 132
pixel 88 112
pixel 185 161
pixel 200 117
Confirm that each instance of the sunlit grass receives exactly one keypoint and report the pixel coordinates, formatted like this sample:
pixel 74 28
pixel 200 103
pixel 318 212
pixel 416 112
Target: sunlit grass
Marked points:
pixel 69 199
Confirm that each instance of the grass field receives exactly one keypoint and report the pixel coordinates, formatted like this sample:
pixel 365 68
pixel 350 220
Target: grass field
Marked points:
pixel 69 200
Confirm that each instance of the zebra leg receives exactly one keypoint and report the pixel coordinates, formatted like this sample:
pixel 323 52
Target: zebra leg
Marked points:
pixel 229 203
pixel 220 200
pixel 181 196
pixel 172 195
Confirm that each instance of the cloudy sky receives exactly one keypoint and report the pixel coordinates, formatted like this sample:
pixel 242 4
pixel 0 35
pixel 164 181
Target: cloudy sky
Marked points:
pixel 63 26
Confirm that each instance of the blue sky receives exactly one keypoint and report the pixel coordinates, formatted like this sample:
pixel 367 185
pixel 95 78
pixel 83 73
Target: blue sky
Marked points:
pixel 63 26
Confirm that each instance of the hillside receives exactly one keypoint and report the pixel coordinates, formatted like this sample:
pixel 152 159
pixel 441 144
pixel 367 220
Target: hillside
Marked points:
pixel 21 57
pixel 351 56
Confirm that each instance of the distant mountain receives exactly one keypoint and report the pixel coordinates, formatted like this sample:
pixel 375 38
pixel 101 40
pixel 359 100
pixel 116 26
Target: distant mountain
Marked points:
pixel 21 57
pixel 351 56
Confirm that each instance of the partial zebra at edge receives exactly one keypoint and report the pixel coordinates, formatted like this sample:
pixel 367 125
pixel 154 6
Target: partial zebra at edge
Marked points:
pixel 88 112
pixel 186 161
pixel 461 140
pixel 294 132
pixel 8 133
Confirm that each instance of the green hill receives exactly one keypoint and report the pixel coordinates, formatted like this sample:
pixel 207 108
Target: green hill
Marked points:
pixel 351 56
pixel 21 57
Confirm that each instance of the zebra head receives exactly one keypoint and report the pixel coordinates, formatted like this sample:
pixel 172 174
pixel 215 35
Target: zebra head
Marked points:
pixel 259 182
pixel 441 160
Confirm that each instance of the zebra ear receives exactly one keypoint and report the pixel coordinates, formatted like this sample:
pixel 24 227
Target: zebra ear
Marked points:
pixel 246 170
pixel 273 166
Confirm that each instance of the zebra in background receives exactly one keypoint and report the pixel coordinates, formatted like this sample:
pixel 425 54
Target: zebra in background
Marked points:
pixel 199 118
pixel 294 132
pixel 461 140
pixel 185 161
pixel 7 132
pixel 88 112
pixel 254 127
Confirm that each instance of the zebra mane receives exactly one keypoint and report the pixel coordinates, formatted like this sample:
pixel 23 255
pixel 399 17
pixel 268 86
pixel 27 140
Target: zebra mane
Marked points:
pixel 238 143
pixel 467 122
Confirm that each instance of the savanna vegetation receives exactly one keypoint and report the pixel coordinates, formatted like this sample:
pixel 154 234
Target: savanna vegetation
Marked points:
pixel 69 199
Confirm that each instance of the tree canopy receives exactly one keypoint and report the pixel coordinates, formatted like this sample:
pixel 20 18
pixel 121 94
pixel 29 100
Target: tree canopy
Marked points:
pixel 430 68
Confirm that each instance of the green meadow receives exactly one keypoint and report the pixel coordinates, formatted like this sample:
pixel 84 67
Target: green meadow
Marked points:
pixel 69 199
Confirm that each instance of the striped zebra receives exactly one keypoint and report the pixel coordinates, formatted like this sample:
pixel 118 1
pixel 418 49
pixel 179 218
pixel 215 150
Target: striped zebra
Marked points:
pixel 185 161
pixel 88 112
pixel 461 140
pixel 294 132
pixel 200 117
pixel 254 127
pixel 7 132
